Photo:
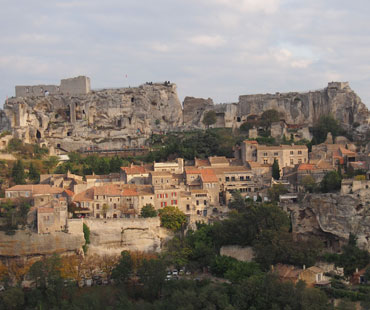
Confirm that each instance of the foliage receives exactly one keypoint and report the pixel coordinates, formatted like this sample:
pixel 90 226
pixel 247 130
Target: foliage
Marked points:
pixel 50 163
pixel 246 126
pixel 15 213
pixel 351 257
pixel 326 124
pixel 268 117
pixel 12 298
pixel 309 183
pixel 172 218
pixel 33 174
pixel 122 271
pixel 275 191
pixel 18 174
pixel 209 118
pixel 152 274
pixel 331 182
pixel 276 170
pixel 86 231
pixel 237 202
pixel 148 211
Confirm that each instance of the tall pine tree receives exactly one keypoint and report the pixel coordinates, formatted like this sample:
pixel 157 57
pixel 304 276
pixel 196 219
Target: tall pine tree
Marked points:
pixel 18 174
pixel 276 170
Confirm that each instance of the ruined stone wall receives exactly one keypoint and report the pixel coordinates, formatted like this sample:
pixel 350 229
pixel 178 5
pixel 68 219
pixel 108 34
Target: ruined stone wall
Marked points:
pixel 74 86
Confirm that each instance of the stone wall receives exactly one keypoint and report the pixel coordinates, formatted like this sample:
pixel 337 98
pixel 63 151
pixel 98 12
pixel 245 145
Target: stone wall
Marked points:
pixel 115 235
pixel 74 86
pixel 25 243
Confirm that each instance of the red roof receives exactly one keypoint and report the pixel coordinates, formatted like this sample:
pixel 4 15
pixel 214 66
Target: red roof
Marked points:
pixel 192 171
pixel 306 167
pixel 69 192
pixel 129 192
pixel 134 169
pixel 208 176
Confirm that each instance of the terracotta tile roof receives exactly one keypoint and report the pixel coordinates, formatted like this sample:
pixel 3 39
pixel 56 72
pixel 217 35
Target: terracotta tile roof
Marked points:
pixel 214 160
pixel 344 151
pixel 134 169
pixel 129 192
pixel 306 167
pixel 287 272
pixel 315 269
pixel 109 190
pixel 208 176
pixel 251 141
pixel 69 192
pixel 87 195
pixel 192 170
pixel 160 173
pixel 201 162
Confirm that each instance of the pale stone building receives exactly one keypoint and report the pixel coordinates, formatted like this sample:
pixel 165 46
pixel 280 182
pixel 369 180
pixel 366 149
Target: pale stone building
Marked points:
pixel 52 216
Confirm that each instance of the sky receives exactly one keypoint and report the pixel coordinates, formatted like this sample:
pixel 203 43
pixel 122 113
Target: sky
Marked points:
pixel 210 48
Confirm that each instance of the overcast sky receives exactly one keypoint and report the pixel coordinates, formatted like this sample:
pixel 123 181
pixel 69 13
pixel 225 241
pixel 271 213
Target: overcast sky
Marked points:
pixel 209 48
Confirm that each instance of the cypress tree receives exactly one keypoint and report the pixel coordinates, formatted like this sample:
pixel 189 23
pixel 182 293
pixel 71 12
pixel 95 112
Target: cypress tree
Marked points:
pixel 276 170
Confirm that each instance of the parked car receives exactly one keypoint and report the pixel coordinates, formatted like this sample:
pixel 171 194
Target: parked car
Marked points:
pixel 175 272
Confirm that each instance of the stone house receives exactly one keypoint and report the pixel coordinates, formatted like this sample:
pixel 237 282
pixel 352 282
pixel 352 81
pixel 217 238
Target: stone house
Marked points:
pixel 134 175
pixel 286 155
pixel 313 276
pixel 52 216
pixel 172 167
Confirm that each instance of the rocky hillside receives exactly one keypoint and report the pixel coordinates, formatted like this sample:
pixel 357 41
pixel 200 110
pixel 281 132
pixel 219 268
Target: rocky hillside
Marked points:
pixel 110 118
pixel 332 217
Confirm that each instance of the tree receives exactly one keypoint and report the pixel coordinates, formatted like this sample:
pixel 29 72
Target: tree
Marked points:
pixel 309 183
pixel 172 218
pixel 276 170
pixel 331 182
pixel 18 173
pixel 209 118
pixel 152 274
pixel 268 117
pixel 51 163
pixel 326 124
pixel 122 271
pixel 148 211
pixel 33 174
pixel 237 202
pixel 275 191
pixel 86 231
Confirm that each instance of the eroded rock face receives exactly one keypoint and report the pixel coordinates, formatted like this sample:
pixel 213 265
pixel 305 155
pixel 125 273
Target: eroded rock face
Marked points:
pixel 25 243
pixel 332 217
pixel 110 119
pixel 337 99
pixel 115 236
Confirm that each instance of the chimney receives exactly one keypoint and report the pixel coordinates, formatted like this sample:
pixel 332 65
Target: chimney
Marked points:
pixel 356 270
pixel 304 267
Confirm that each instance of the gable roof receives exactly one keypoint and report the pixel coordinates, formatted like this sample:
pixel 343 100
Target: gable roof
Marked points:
pixel 208 176
pixel 134 169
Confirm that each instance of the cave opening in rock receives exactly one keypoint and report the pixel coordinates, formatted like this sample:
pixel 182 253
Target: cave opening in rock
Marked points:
pixel 119 123
pixel 38 134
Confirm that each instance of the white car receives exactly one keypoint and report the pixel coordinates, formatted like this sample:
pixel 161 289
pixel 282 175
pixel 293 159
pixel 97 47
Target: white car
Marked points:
pixel 175 272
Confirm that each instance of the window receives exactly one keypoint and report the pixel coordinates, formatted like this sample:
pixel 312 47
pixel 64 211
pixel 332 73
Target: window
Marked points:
pixel 292 161
pixel 248 178
pixel 265 154
pixel 233 179
pixel 241 178
pixel 166 195
pixel 299 161
pixel 276 154
pixel 265 161
pixel 114 206
pixel 97 206
pixel 205 202
pixel 197 202
pixel 227 179
pixel 299 152
pixel 187 207
pixel 173 202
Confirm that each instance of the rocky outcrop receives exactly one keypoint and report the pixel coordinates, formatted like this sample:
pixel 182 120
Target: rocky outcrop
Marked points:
pixel 332 217
pixel 25 243
pixel 305 108
pixel 109 118
pixel 77 118
pixel 337 99
pixel 116 235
